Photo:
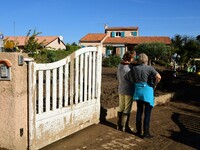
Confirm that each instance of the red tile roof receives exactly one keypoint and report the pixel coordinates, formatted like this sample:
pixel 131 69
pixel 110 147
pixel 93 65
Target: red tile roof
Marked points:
pixel 21 39
pixel 136 40
pixel 121 28
pixel 93 37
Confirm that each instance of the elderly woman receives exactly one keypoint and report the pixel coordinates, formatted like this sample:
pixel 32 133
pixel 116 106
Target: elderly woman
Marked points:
pixel 142 76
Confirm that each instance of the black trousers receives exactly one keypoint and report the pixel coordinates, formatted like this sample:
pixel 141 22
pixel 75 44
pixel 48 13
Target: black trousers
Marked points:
pixel 145 107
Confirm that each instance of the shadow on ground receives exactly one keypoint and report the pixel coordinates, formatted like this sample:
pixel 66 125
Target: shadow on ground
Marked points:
pixel 189 133
pixel 187 91
pixel 103 114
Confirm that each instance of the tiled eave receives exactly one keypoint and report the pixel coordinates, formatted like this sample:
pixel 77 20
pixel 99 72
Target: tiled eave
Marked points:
pixel 136 40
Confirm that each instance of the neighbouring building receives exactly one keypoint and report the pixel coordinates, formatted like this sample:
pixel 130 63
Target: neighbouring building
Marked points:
pixel 49 42
pixel 117 40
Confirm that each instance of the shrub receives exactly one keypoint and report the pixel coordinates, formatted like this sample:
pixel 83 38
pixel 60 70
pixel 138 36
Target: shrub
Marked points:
pixel 111 61
pixel 49 56
pixel 161 62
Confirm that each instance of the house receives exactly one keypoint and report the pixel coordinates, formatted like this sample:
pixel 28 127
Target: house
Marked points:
pixel 117 40
pixel 49 42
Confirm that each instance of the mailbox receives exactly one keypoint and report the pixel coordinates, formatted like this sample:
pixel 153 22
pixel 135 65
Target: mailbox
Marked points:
pixel 5 69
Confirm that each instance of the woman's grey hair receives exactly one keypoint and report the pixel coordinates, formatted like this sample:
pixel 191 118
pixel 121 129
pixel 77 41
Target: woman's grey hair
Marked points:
pixel 143 58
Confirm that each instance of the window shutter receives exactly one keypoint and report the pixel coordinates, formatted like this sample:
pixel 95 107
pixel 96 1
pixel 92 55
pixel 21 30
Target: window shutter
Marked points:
pixel 122 34
pixel 112 34
pixel 134 33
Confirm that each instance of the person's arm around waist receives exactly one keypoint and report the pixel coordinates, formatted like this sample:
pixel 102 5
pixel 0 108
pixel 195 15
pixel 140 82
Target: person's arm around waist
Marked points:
pixel 158 78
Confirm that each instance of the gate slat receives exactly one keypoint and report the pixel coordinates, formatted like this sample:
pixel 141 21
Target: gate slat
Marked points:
pixel 47 90
pixel 40 92
pixel 54 89
pixel 89 76
pixel 60 90
pixel 71 82
pixel 93 74
pixel 85 76
pixel 81 79
pixel 66 84
pixel 76 80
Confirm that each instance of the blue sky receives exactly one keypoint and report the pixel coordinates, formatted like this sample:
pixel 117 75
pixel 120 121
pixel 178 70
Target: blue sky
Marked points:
pixel 73 19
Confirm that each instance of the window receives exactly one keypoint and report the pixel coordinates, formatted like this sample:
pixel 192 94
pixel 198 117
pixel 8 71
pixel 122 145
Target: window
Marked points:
pixel 134 33
pixel 118 34
pixel 112 34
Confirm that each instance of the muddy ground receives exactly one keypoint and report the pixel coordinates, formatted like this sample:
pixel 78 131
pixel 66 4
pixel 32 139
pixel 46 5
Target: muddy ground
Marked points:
pixel 175 125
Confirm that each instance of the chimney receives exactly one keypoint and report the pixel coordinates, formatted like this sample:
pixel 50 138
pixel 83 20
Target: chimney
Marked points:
pixel 105 26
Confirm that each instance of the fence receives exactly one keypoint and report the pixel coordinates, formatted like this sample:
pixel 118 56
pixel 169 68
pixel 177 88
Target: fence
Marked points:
pixel 64 96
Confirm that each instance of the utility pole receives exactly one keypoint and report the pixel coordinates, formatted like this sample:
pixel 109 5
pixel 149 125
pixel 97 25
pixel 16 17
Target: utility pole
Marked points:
pixel 14 28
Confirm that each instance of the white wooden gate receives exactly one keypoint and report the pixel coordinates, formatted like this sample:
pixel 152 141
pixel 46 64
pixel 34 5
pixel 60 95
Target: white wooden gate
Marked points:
pixel 64 96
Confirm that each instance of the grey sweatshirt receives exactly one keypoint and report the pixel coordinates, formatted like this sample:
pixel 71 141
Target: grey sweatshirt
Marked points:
pixel 125 87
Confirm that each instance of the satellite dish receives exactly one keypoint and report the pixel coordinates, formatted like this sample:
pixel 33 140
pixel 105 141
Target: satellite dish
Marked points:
pixel 61 38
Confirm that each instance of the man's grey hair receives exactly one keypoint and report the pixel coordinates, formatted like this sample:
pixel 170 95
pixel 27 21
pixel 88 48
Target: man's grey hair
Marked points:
pixel 143 58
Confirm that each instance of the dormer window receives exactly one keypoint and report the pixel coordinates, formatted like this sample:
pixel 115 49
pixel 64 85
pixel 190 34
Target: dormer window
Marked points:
pixel 117 34
pixel 134 33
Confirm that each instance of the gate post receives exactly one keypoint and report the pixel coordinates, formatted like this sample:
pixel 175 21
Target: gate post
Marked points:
pixel 99 77
pixel 31 102
pixel 13 104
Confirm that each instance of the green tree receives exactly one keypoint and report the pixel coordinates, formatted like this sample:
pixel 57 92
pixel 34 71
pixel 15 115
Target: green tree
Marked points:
pixel 193 48
pixel 74 44
pixel 198 38
pixel 68 47
pixel 155 51
pixel 186 47
pixel 177 41
pixel 31 43
pixel 72 47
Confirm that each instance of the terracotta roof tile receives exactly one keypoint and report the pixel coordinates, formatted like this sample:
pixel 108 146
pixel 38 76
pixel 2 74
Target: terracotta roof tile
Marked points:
pixel 121 28
pixel 136 40
pixel 93 37
pixel 21 39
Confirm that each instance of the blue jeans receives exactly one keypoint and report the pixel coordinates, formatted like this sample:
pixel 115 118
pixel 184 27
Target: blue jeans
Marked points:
pixel 142 105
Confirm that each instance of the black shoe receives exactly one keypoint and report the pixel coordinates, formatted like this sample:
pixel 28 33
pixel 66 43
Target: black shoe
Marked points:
pixel 147 135
pixel 139 130
pixel 120 128
pixel 128 130
pixel 138 134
